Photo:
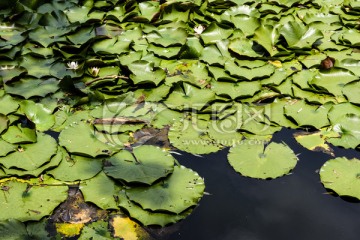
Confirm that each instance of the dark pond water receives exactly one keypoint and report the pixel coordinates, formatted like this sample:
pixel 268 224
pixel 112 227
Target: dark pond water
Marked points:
pixel 291 207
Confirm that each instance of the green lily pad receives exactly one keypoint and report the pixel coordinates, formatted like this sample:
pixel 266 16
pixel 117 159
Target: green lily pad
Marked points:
pixel 352 92
pixel 4 123
pixel 145 164
pixel 12 229
pixel 111 46
pixel 267 36
pixel 6 148
pixel 8 105
pixel 300 36
pixel 338 111
pixel 189 97
pixel 54 162
pixel 19 134
pixel 259 161
pixel 76 168
pixel 145 72
pixel 81 139
pixel 348 129
pixel 333 80
pixel 31 87
pixel 214 33
pixel 38 114
pixel 149 217
pixel 30 201
pixel 167 37
pixel 236 90
pixel 33 155
pixel 100 185
pixel 191 136
pixel 98 230
pixel 308 115
pixel 342 176
pixel 314 141
pixel 180 191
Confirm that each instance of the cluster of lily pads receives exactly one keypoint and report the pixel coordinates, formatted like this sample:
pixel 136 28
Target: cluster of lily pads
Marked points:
pixel 213 74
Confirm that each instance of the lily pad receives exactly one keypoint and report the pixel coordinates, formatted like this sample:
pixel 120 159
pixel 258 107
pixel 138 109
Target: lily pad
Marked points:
pixel 308 115
pixel 342 176
pixel 33 155
pixel 314 141
pixel 4 123
pixel 264 162
pixel 19 134
pixel 192 137
pixel 12 229
pixel 145 164
pixel 100 185
pixel 30 201
pixel 8 105
pixel 348 129
pixel 181 190
pixel 81 139
pixel 76 168
pixel 31 87
pixel 38 114
pixel 352 92
pixel 149 217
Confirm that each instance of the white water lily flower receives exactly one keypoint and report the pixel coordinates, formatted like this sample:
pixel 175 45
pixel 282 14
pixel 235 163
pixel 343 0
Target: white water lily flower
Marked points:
pixel 73 65
pixel 7 67
pixel 199 29
pixel 94 71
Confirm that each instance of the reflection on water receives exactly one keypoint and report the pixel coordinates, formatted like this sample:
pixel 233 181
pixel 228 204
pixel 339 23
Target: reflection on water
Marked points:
pixel 291 207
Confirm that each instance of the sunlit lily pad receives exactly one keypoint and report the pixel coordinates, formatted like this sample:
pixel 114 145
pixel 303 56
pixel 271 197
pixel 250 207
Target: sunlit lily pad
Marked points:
pixel 33 155
pixel 352 92
pixel 342 176
pixel 181 190
pixel 30 87
pixel 314 141
pixel 38 114
pixel 19 134
pixel 30 201
pixel 80 138
pixel 259 161
pixel 144 164
pixel 76 168
pixel 348 129
pixel 149 217
pixel 8 105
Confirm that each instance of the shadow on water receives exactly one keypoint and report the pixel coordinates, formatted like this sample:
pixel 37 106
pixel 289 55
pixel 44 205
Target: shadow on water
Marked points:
pixel 296 206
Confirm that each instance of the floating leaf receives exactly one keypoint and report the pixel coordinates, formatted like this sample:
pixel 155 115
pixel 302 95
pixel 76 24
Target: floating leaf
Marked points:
pixel 12 229
pixel 6 148
pixel 167 37
pixel 38 114
pixel 100 185
pixel 33 155
pixel 76 168
pixel 308 115
pixel 192 137
pixel 189 97
pixel 8 105
pixel 149 217
pixel 98 230
pixel 30 201
pixel 81 139
pixel 4 123
pixel 31 87
pixel 348 128
pixel 342 176
pixel 20 134
pixel 314 141
pixel 145 164
pixel 125 228
pixel 214 33
pixel 333 80
pixel 181 190
pixel 144 72
pixel 352 92
pixel 267 36
pixel 259 161
pixel 300 36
